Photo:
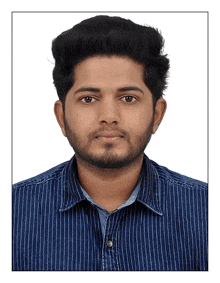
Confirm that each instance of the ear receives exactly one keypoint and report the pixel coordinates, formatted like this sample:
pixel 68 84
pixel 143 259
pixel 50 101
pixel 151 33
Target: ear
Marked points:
pixel 58 110
pixel 159 111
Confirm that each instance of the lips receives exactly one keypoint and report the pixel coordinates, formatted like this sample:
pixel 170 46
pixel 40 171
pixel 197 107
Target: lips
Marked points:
pixel 109 135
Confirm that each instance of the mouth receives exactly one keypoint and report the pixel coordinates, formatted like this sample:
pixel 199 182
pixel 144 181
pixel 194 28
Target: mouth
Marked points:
pixel 109 136
pixel 109 139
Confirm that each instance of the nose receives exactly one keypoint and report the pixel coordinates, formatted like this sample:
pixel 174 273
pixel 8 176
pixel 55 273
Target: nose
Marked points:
pixel 109 112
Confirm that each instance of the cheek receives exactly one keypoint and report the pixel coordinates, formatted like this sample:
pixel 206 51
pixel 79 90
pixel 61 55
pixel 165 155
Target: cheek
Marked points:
pixel 80 121
pixel 139 121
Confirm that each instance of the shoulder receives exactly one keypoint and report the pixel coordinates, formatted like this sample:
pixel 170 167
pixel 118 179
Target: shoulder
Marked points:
pixel 51 174
pixel 167 175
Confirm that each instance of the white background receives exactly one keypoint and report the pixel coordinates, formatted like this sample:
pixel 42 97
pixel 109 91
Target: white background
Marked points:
pixel 181 141
pixel 212 6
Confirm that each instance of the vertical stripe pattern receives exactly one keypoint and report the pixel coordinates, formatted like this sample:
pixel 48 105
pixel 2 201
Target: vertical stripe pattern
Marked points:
pixel 56 228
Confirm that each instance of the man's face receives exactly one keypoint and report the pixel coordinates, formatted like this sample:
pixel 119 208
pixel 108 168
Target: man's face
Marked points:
pixel 108 117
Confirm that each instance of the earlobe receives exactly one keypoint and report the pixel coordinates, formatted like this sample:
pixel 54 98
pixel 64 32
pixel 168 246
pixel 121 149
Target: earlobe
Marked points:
pixel 159 112
pixel 58 111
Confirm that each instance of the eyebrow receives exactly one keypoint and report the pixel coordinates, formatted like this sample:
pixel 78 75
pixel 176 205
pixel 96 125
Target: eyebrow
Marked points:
pixel 127 88
pixel 94 89
pixel 83 89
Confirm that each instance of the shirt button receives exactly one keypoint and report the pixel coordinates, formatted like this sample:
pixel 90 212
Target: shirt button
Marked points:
pixel 109 243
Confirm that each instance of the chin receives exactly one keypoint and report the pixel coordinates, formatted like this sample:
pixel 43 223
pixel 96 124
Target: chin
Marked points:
pixel 109 160
pixel 109 164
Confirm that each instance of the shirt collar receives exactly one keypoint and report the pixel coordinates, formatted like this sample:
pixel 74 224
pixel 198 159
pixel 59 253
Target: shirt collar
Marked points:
pixel 71 191
pixel 148 195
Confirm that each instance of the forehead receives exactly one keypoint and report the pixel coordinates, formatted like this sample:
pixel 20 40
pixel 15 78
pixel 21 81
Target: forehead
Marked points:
pixel 108 69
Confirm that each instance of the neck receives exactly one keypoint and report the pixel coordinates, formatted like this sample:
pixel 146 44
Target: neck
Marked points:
pixel 109 187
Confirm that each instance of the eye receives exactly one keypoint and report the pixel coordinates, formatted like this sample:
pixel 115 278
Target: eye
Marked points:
pixel 87 99
pixel 129 98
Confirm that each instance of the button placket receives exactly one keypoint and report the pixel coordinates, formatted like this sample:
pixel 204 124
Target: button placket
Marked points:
pixel 110 247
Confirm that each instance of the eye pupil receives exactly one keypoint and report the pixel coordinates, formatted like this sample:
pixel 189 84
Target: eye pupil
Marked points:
pixel 88 99
pixel 128 98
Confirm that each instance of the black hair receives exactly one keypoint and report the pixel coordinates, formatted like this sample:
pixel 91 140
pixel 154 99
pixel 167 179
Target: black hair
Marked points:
pixel 104 35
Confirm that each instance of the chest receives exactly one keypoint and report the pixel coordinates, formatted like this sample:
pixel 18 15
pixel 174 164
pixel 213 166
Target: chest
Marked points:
pixel 135 238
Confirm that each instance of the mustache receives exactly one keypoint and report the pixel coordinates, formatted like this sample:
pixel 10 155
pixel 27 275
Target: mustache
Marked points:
pixel 94 133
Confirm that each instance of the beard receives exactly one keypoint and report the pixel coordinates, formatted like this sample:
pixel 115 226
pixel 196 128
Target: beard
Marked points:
pixel 109 158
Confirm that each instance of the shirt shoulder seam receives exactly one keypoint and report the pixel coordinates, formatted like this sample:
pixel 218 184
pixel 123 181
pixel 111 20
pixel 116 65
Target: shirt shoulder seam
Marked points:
pixel 189 184
pixel 41 178
pixel 23 184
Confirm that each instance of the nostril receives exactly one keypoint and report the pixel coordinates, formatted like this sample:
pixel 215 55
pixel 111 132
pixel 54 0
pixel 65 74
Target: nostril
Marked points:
pixel 105 122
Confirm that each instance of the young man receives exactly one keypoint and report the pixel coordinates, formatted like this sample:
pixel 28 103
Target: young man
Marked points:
pixel 109 207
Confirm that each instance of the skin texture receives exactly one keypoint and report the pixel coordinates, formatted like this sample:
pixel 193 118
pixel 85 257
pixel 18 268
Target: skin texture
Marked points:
pixel 108 120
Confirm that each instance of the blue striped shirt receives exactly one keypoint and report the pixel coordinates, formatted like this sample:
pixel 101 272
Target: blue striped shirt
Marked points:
pixel 55 227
